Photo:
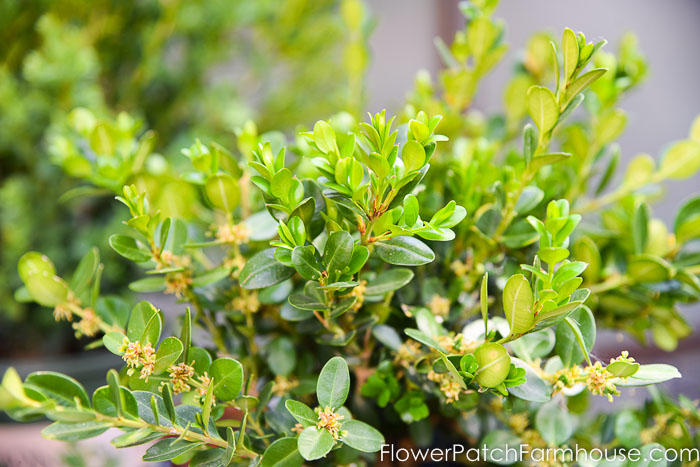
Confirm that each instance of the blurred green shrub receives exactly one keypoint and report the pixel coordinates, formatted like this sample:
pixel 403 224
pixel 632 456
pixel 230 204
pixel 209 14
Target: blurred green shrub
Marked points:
pixel 181 67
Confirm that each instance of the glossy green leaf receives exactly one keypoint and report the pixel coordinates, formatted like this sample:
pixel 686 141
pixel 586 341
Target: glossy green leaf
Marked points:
pixel 302 413
pixel 338 251
pixel 168 448
pixel 404 251
pixel 654 373
pixel 282 453
pixel 103 401
pixel 63 389
pixel 535 388
pixel 362 436
pixel 129 248
pixel 281 357
pixel 567 346
pixel 263 270
pixel 413 155
pixel 388 281
pixel 228 378
pixel 70 432
pixel 168 354
pixel 682 160
pixel 517 304
pixel 314 443
pixel 554 423
pixel 333 384
pixel 569 45
pixel 542 107
pixel 139 329
pixel 223 192
pixel 304 260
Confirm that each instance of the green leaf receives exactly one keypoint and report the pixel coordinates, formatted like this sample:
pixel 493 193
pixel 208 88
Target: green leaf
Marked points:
pixel 529 199
pixel 682 160
pixel 554 423
pixel 169 448
pixel 388 281
pixel 640 228
pixel 304 302
pixel 129 248
pixel 567 346
pixel 651 374
pixel 582 82
pixel 281 184
pixel 223 192
pixel 423 338
pixel 404 251
pixel 687 223
pixel 282 453
pixel 305 263
pixel 85 271
pixel 148 284
pixel 212 457
pixel 484 302
pixel 168 353
pixel 71 432
pixel 648 268
pixel 648 453
pixel 360 255
pixel 569 46
pixel 551 317
pixel 113 310
pixel 426 322
pixel 186 335
pixel 333 384
pixel 228 378
pixel 517 303
pixel 413 155
pixel 542 107
pixel 534 389
pixel 211 276
pixel 301 412
pixel 547 159
pixel 324 136
pixel 103 401
pixel 338 251
pixel 134 438
pixel 58 387
pixel 411 210
pixel 281 357
pixel 534 345
pixel 143 314
pixel 387 335
pixel 314 443
pixel 628 429
pixel 623 369
pixel 361 436
pixel 263 270
pixel 610 125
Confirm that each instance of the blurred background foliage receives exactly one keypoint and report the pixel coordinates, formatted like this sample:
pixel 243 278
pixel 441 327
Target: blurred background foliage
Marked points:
pixel 181 68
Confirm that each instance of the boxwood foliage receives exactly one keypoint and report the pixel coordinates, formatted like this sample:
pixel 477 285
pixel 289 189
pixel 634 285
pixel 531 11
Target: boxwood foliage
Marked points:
pixel 386 280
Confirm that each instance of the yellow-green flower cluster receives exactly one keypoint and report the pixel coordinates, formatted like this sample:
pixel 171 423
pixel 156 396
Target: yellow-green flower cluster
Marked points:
pixel 138 355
